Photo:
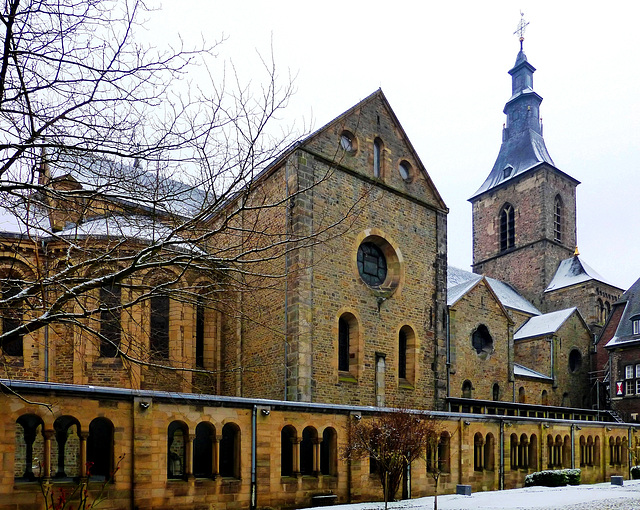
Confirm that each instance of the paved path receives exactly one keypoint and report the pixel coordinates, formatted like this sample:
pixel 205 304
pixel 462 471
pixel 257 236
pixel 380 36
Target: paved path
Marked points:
pixel 602 496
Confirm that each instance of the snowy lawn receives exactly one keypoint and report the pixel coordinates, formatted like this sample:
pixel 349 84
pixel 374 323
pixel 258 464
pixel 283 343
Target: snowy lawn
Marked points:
pixel 526 498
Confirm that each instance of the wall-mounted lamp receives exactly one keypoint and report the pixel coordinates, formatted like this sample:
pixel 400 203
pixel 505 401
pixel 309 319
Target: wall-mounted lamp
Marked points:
pixel 609 429
pixel 144 405
pixel 357 417
pixel 265 412
pixel 578 427
pixel 467 423
pixel 546 425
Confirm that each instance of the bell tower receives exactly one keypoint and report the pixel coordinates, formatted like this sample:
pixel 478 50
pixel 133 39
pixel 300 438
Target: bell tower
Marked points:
pixel 524 214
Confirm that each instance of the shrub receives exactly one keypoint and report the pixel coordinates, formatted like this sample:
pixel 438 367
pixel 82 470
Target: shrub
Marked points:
pixel 555 478
pixel 635 472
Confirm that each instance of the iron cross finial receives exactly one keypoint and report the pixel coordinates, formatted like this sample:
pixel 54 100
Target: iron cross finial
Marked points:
pixel 521 28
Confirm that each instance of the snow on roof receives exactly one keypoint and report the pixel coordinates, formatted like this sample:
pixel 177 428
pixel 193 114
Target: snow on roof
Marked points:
pixel 544 324
pixel 522 371
pixel 459 282
pixel 18 220
pixel 573 271
pixel 131 184
pixel 139 228
pixel 510 298
pixel 624 331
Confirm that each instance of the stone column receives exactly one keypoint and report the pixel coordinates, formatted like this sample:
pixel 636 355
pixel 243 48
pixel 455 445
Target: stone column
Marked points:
pixel 83 454
pixel 189 456
pixel 48 434
pixel 296 455
pixel 215 457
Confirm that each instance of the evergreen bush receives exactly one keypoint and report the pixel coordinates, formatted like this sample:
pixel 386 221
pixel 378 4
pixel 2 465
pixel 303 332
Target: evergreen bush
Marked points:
pixel 554 478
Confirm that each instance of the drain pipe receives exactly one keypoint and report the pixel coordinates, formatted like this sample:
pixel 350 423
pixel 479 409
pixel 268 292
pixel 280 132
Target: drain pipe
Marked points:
pixel 501 472
pixel 573 446
pixel 448 357
pixel 254 425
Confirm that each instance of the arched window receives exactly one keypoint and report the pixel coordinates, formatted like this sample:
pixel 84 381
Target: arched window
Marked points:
pixel 11 315
pixel 159 327
pixel 402 354
pixel 600 310
pixel 523 452
pixel 583 451
pixel 406 355
pixel 482 341
pixel 489 452
pixel 329 452
pixel 513 449
pixel 230 451
pixel 544 398
pixel 607 310
pixel 110 323
pixel 496 392
pixel 200 325
pixel 176 450
pixel 348 344
pixel 566 452
pixel 29 452
pixel 507 228
pixel 533 452
pixel 575 360
pixel 444 451
pixel 478 452
pixel 100 449
pixel 287 438
pixel 467 389
pixel 307 451
pixel 203 450
pixel 522 397
pixel 343 345
pixel 377 157
pixel 557 219
pixel 65 447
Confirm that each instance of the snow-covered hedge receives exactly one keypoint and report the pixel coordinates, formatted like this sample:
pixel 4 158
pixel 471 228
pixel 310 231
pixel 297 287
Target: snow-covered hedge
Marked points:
pixel 553 478
pixel 635 472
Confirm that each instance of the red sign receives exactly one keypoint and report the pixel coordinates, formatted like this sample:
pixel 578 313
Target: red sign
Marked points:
pixel 619 389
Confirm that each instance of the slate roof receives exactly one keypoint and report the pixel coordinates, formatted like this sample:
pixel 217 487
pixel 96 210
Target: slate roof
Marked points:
pixel 521 371
pixel 624 332
pixel 545 324
pixel 459 282
pixel 572 271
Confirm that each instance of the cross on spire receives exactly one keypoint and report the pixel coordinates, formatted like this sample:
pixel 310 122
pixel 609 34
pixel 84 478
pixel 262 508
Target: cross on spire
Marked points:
pixel 521 28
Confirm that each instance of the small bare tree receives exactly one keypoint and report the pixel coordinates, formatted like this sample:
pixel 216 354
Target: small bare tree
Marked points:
pixel 436 454
pixel 392 440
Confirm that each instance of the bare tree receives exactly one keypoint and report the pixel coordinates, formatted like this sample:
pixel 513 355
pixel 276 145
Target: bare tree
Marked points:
pixel 392 440
pixel 120 186
pixel 436 454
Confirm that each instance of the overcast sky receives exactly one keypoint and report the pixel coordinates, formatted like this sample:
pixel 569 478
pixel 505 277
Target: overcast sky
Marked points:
pixel 443 67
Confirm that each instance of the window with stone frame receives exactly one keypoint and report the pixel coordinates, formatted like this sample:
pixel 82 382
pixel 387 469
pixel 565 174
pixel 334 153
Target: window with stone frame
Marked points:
pixel 287 439
pixel 348 346
pixel 307 452
pixel 110 320
pixel 11 313
pixel 230 451
pixel 203 444
pixel 406 355
pixel 159 327
pixel 177 435
pixel 507 228
pixel 635 325
pixel 329 452
pixel 558 210
pixel 100 461
pixel 377 158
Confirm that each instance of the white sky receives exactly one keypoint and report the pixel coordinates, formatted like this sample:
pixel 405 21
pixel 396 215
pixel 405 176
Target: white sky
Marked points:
pixel 443 67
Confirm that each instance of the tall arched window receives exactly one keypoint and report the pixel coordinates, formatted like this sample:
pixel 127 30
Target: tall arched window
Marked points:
pixel 489 452
pixel 600 310
pixel 329 452
pixel 522 396
pixel 159 327
pixel 347 345
pixel 478 452
pixel 377 157
pixel 307 451
pixel 230 451
pixel 100 449
pixel 65 447
pixel 11 316
pixel 200 324
pixel 557 219
pixel 507 228
pixel 28 459
pixel 496 392
pixel 287 438
pixel 176 449
pixel 203 450
pixel 406 355
pixel 110 324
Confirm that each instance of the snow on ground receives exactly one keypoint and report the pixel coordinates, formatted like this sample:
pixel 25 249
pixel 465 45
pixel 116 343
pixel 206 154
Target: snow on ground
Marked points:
pixel 519 499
